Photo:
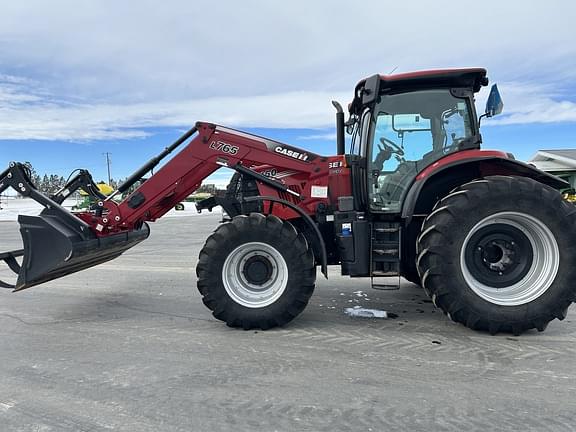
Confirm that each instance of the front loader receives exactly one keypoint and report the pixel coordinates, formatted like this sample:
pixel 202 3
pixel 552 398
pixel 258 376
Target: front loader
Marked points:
pixel 487 237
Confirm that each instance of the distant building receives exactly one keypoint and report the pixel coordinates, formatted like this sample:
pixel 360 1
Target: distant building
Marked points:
pixel 561 163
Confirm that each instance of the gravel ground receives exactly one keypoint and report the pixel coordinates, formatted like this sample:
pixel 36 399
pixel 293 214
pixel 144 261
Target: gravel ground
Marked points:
pixel 128 346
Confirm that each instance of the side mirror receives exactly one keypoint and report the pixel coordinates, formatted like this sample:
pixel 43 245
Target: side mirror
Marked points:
pixel 494 103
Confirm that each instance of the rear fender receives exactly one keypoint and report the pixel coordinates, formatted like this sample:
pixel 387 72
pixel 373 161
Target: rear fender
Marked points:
pixel 432 184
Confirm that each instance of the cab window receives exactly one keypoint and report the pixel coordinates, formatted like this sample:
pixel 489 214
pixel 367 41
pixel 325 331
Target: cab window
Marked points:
pixel 411 131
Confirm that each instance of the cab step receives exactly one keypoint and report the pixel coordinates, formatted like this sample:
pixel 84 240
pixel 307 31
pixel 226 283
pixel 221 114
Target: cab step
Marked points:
pixel 385 255
pixel 386 283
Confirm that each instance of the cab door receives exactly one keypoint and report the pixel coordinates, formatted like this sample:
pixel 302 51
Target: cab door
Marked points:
pixel 410 131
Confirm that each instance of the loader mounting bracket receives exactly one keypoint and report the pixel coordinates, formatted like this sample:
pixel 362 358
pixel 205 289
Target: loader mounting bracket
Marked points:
pixel 230 205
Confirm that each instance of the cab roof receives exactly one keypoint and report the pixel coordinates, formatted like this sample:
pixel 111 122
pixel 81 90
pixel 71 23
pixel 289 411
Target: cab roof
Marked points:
pixel 459 77
pixel 472 78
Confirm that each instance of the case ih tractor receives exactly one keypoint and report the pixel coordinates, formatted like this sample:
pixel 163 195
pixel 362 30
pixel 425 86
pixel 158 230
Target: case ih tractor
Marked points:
pixel 489 238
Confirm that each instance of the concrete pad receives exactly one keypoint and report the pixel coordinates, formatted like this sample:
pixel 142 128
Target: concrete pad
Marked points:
pixel 129 346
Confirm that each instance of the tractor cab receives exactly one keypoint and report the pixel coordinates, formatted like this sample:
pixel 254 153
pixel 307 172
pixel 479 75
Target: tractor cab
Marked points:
pixel 407 122
pixel 403 126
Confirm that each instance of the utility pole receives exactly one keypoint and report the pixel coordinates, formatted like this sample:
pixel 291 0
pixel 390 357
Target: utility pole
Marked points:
pixel 108 162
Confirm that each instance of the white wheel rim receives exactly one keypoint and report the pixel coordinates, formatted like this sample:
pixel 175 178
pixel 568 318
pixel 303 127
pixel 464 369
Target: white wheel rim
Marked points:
pixel 241 289
pixel 540 275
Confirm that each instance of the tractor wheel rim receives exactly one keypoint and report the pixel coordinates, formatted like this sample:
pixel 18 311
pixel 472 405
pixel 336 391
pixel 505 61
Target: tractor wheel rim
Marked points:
pixel 513 275
pixel 255 275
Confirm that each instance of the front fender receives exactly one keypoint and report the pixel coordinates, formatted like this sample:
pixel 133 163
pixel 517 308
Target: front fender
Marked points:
pixel 308 220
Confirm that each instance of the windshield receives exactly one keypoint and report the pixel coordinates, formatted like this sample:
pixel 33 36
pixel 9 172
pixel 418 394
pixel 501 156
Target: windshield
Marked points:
pixel 410 131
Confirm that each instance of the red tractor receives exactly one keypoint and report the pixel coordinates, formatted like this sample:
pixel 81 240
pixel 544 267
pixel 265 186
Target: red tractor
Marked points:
pixel 489 238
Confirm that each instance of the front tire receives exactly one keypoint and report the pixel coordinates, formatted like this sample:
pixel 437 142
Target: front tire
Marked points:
pixel 498 254
pixel 256 272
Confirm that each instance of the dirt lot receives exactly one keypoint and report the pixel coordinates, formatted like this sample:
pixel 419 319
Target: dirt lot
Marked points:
pixel 128 346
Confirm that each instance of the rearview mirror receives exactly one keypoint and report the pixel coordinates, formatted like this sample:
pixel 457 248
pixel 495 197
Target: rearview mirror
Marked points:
pixel 494 103
pixel 409 123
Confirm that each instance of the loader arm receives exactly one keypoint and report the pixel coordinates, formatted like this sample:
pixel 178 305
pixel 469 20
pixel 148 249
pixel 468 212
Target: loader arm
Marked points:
pixel 211 148
pixel 58 242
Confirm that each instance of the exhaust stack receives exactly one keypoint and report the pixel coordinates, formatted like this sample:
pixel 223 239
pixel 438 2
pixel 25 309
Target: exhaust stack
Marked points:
pixel 340 142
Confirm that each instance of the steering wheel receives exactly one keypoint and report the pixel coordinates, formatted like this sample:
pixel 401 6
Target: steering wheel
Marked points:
pixel 391 146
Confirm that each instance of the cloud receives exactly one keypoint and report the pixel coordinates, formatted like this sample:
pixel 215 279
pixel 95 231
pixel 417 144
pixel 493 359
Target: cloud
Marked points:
pixel 106 69
pixel 320 137
pixel 29 112
pixel 29 116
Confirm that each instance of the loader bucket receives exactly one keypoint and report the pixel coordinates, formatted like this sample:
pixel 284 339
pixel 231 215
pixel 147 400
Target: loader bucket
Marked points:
pixel 53 248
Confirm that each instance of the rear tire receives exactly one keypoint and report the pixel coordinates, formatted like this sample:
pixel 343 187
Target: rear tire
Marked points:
pixel 498 254
pixel 256 272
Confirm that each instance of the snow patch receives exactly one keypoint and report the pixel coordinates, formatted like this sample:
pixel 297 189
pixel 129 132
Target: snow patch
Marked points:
pixel 361 312
pixel 10 208
pixel 5 406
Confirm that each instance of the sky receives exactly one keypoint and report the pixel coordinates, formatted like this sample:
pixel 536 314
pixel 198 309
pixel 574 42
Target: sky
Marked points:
pixel 85 77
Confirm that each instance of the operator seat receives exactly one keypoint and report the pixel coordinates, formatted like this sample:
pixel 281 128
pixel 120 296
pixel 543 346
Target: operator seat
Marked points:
pixel 398 181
